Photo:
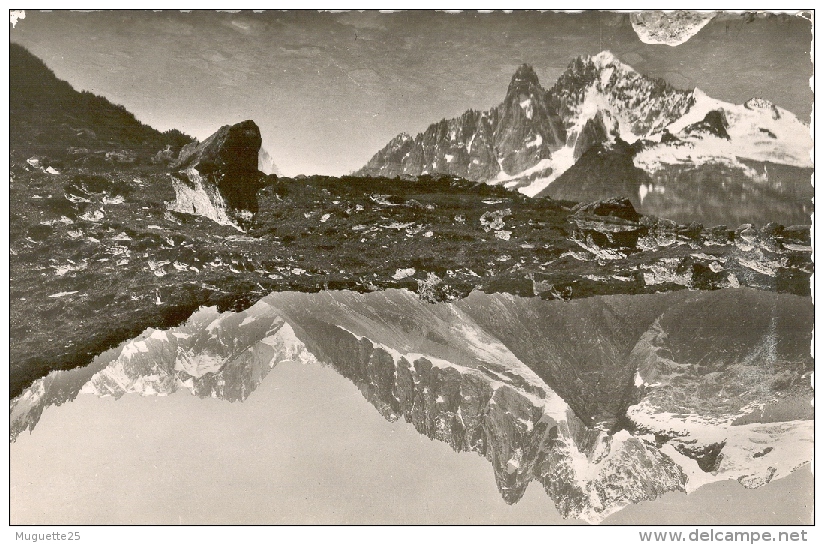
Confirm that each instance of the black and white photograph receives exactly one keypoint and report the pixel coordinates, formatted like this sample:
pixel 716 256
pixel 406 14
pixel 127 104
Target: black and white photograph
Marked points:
pixel 410 267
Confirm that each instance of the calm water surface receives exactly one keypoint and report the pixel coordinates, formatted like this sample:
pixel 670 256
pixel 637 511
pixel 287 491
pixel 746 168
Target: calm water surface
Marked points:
pixel 305 448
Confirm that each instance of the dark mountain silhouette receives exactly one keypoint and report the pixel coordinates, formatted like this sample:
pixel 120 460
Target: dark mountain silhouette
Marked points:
pixel 48 116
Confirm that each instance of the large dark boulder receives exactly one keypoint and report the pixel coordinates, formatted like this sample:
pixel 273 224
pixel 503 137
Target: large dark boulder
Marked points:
pixel 226 161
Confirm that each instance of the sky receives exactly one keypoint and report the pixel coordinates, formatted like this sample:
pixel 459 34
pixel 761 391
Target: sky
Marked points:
pixel 329 90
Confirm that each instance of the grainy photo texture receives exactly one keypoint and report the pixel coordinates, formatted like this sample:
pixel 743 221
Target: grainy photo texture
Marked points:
pixel 417 267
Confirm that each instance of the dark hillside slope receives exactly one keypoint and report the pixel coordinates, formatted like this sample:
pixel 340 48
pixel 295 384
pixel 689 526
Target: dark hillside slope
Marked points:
pixel 47 116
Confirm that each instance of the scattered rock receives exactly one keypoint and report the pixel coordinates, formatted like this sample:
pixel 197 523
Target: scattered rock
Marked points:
pixel 692 231
pixel 164 155
pixel 720 234
pixel 747 231
pixel 494 220
pixel 616 208
pixel 772 230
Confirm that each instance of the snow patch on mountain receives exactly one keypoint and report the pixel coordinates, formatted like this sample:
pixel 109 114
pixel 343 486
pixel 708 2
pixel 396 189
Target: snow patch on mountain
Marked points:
pixel 560 162
pixel 526 104
pixel 752 454
pixel 641 105
pixel 540 166
pixel 659 157
pixel 758 130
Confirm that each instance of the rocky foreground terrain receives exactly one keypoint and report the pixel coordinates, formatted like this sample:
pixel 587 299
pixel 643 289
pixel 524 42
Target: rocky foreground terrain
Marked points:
pixel 99 255
pixel 115 227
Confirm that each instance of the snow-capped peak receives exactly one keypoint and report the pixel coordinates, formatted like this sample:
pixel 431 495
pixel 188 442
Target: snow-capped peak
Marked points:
pixel 607 62
pixel 597 100
pixel 764 105
pixel 758 130
pixel 605 58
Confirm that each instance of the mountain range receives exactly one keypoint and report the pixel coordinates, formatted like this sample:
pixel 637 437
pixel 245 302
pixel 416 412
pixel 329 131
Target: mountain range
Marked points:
pixel 604 130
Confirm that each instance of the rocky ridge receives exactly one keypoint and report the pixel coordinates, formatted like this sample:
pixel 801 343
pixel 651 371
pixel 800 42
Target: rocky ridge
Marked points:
pixel 62 127
pixel 535 137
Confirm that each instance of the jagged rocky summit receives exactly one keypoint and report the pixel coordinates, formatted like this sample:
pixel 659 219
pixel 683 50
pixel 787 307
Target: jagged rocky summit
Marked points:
pixel 219 178
pixel 633 136
pixel 511 137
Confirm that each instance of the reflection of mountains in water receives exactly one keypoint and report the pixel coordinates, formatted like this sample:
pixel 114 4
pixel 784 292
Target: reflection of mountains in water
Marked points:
pixel 605 401
pixel 712 193
pixel 720 195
